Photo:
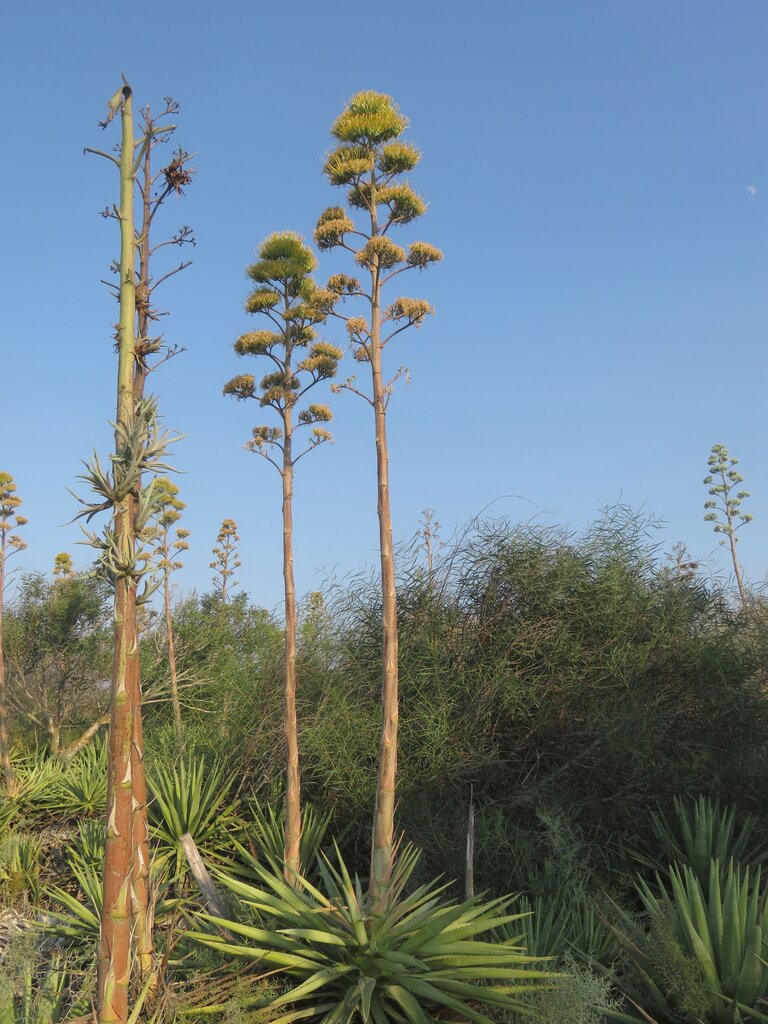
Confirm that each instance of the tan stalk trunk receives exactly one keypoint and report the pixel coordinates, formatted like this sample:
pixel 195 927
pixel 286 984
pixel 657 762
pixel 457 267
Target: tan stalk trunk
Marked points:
pixel 55 733
pixel 9 776
pixel 469 866
pixel 292 852
pixel 115 945
pixel 384 819
pixel 115 948
pixel 171 650
pixel 736 566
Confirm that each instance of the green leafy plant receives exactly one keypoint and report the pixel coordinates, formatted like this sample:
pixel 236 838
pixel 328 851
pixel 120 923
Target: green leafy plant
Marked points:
pixel 82 787
pixel 37 780
pixel 718 942
pixel 78 917
pixel 581 996
pixel 419 955
pixel 555 928
pixel 86 846
pixel 700 832
pixel 41 993
pixel 268 833
pixel 20 865
pixel 192 797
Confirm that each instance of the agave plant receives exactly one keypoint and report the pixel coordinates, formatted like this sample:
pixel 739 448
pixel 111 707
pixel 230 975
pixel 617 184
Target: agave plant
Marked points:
pixel 553 929
pixel 37 778
pixel 267 837
pixel 722 935
pixel 78 918
pixel 21 864
pixel 700 832
pixel 418 956
pixel 193 797
pixel 82 787
pixel 86 847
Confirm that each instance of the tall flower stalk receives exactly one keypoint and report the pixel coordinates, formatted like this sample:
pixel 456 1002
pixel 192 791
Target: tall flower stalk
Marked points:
pixel 140 448
pixel 287 296
pixel 115 943
pixel 169 547
pixel 226 559
pixel 154 186
pixel 369 161
pixel 724 506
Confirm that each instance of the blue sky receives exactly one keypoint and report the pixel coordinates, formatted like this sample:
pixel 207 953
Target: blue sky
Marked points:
pixel 597 174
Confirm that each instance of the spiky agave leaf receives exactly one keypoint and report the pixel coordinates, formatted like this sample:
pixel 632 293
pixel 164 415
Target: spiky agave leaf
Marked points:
pixel 192 797
pixel 701 831
pixel 82 787
pixel 723 933
pixel 264 829
pixel 420 955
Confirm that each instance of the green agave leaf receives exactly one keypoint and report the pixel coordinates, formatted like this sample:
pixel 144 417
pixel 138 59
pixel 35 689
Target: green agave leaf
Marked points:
pixel 316 981
pixel 256 934
pixel 408 1003
pixel 442 998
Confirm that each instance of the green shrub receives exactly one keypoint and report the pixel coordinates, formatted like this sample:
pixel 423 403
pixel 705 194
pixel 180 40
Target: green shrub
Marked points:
pixel 580 996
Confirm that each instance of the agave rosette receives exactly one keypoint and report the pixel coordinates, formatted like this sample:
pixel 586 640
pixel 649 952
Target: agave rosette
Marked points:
pixel 416 955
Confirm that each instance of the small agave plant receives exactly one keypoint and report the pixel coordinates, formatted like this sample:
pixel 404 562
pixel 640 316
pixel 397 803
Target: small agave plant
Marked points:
pixel 699 832
pixel 721 929
pixel 416 956
pixel 192 797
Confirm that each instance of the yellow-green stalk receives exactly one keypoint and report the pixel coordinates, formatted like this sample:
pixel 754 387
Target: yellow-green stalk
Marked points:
pixel 288 297
pixel 169 509
pixel 368 161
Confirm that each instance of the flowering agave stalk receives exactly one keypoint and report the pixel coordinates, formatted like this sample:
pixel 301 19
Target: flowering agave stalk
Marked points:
pixel 148 353
pixel 724 505
pixel 140 447
pixel 421 957
pixel 168 549
pixel 288 297
pixel 369 161
pixel 10 544
pixel 226 559
pixel 155 186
